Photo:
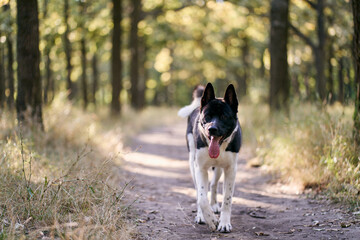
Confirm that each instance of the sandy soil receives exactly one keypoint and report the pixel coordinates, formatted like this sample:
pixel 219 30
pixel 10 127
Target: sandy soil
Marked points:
pixel 165 206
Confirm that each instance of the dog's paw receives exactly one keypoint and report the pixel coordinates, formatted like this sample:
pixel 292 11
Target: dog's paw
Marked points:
pixel 224 228
pixel 199 219
pixel 216 208
pixel 213 224
pixel 212 221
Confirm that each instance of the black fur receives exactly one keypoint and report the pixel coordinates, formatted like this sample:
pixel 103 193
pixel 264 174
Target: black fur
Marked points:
pixel 217 117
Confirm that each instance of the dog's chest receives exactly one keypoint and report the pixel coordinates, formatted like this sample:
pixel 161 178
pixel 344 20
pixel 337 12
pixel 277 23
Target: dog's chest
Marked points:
pixel 225 159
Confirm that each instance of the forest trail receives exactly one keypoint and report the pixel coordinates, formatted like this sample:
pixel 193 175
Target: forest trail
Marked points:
pixel 157 161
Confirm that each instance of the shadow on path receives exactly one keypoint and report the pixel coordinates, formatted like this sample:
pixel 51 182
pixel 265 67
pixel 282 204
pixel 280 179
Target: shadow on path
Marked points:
pixel 165 208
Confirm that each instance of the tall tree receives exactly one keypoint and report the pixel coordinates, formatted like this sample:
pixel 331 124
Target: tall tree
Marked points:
pixel 317 49
pixel 279 77
pixel 67 47
pixel 137 94
pixel 356 16
pixel 116 64
pixel 9 78
pixel 2 76
pixel 10 71
pixel 331 96
pixel 83 54
pixel 29 92
pixel 243 79
pixel 341 80
pixel 95 73
pixel 49 42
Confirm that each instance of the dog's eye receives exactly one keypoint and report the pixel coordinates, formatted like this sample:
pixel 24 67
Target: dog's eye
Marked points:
pixel 224 117
pixel 207 118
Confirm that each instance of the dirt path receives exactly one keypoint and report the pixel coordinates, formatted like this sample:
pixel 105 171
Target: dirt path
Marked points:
pixel 261 210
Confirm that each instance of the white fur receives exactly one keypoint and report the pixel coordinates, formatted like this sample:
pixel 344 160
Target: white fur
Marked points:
pixel 187 110
pixel 200 162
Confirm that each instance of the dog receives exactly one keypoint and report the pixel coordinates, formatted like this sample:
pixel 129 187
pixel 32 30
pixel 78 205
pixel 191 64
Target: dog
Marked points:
pixel 213 138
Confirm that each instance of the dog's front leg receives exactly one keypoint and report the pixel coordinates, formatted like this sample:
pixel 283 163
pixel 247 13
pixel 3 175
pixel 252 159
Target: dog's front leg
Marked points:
pixel 204 210
pixel 229 182
pixel 213 187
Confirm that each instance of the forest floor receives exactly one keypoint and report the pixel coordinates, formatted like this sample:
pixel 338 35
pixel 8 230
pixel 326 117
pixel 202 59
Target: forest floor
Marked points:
pixel 156 162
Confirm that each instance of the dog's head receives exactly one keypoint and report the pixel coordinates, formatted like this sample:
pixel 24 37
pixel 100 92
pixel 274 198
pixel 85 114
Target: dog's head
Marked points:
pixel 218 117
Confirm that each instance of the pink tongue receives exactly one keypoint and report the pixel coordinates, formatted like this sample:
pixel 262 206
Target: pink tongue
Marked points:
pixel 214 147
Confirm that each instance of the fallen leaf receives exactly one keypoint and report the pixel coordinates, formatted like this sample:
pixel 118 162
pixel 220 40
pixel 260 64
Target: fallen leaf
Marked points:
pixel 291 231
pixel 256 215
pixel 262 234
pixel 345 224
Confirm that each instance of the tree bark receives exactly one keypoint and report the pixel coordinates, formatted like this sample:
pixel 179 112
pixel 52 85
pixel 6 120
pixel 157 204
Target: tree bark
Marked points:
pixel 245 73
pixel 279 78
pixel 135 58
pixel 83 74
pixel 10 72
pixel 116 64
pixel 341 80
pixel 320 51
pixel 356 17
pixel 95 77
pixel 331 96
pixel 28 57
pixel 67 47
pixel 2 77
pixel 47 60
pixel 48 74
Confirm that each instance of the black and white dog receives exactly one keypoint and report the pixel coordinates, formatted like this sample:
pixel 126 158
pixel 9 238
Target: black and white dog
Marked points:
pixel 214 138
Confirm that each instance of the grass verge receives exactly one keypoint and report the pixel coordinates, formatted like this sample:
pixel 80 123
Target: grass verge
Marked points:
pixel 309 146
pixel 66 182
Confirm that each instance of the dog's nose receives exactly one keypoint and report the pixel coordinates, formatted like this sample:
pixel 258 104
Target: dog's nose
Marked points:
pixel 213 130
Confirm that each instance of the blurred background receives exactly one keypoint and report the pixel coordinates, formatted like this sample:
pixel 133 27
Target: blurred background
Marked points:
pixel 168 47
pixel 96 73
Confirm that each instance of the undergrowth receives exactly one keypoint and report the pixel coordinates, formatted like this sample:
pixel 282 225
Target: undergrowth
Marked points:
pixel 310 146
pixel 66 182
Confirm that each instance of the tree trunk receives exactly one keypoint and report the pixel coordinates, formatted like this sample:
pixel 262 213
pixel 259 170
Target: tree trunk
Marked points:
pixel 320 51
pixel 279 79
pixel 47 61
pixel 28 58
pixel 116 64
pixel 356 17
pixel 95 77
pixel 245 73
pixel 331 96
pixel 2 77
pixel 83 74
pixel 48 74
pixel 135 59
pixel 67 47
pixel 10 72
pixel 341 80
pixel 142 72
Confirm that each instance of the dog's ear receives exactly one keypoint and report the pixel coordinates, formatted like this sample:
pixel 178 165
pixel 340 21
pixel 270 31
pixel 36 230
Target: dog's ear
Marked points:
pixel 230 98
pixel 208 95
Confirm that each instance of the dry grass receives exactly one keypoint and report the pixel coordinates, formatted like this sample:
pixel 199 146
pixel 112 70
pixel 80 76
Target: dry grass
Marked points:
pixel 310 147
pixel 66 182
